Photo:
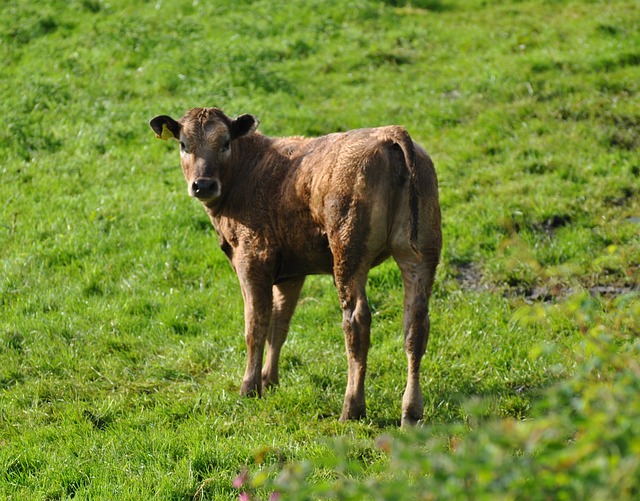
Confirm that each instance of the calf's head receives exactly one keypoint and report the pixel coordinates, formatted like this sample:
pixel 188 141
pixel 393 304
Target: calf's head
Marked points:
pixel 205 136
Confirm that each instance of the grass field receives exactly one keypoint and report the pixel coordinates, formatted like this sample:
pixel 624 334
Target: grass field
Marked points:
pixel 121 347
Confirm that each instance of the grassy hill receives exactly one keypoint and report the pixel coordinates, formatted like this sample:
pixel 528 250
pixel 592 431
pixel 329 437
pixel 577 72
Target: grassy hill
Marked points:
pixel 121 347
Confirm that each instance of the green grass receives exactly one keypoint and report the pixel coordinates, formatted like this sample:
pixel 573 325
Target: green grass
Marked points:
pixel 121 347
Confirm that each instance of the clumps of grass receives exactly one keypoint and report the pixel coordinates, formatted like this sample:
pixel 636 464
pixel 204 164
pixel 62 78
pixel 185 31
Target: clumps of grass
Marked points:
pixel 121 347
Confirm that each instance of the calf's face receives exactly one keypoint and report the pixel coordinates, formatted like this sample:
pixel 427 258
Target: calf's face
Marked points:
pixel 205 136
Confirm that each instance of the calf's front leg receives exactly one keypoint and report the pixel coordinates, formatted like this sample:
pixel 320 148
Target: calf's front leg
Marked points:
pixel 285 298
pixel 257 318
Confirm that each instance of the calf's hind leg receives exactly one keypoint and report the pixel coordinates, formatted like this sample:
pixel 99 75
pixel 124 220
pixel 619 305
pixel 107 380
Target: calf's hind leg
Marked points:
pixel 356 323
pixel 418 275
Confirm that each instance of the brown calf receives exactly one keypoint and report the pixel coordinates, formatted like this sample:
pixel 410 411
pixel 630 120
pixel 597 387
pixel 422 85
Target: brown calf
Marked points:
pixel 340 204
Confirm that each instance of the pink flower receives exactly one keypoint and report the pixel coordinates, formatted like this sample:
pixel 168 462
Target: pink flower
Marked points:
pixel 240 480
pixel 275 496
pixel 244 496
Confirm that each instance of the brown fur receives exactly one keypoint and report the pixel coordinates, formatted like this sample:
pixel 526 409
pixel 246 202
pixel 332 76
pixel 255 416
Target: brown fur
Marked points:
pixel 339 204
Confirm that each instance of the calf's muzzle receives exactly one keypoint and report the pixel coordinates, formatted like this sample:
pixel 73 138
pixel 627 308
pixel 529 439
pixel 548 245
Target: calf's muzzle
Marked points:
pixel 205 188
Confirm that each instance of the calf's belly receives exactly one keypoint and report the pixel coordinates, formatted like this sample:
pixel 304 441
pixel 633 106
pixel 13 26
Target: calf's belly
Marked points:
pixel 309 260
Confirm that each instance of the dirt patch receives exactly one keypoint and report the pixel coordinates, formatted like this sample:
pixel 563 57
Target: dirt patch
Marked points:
pixel 550 225
pixel 547 294
pixel 470 277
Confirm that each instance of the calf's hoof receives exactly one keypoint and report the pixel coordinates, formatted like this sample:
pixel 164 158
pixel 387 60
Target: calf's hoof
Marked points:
pixel 409 421
pixel 268 383
pixel 353 412
pixel 412 407
pixel 250 389
pixel 412 414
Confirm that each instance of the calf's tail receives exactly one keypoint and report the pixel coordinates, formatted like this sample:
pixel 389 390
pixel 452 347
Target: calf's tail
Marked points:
pixel 405 143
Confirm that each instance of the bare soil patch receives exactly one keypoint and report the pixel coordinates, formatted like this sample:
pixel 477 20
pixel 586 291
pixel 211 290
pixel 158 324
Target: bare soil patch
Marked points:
pixel 471 277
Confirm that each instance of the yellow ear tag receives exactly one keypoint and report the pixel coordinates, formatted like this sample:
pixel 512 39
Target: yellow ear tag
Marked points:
pixel 166 133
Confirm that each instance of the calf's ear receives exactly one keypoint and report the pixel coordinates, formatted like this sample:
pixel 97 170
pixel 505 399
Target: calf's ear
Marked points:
pixel 165 127
pixel 243 125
